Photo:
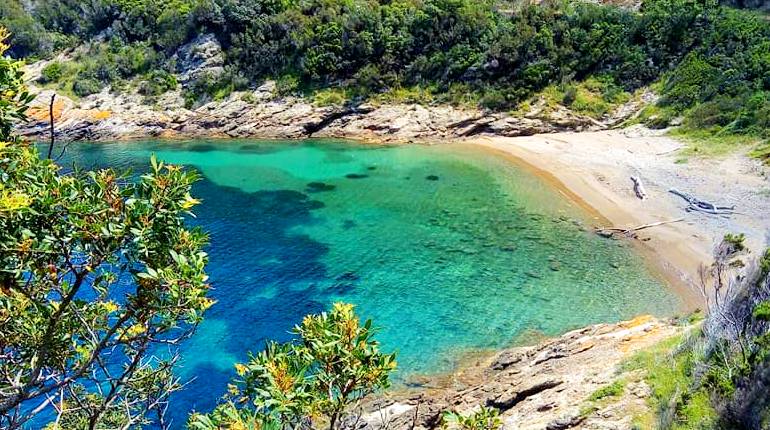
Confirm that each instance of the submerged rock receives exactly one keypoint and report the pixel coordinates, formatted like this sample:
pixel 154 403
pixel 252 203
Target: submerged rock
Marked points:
pixel 348 276
pixel 432 178
pixel 316 187
pixel 356 176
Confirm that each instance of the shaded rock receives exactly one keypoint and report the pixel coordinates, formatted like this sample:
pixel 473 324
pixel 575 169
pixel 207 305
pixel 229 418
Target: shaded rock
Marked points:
pixel 565 422
pixel 510 398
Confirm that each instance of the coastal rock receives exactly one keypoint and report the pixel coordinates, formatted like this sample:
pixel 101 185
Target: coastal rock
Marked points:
pixel 260 113
pixel 547 386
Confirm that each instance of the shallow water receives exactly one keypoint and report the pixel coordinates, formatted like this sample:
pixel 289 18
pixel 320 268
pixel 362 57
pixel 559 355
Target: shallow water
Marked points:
pixel 447 248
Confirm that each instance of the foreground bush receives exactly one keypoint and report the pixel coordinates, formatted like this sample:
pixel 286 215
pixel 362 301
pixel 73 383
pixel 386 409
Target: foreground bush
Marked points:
pixel 96 273
pixel 308 383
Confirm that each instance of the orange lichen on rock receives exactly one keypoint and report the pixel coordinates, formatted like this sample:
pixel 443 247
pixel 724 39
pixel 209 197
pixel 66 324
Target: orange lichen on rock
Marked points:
pixel 637 321
pixel 101 114
pixel 636 341
pixel 40 112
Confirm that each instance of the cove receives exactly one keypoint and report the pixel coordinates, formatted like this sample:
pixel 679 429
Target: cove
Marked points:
pixel 448 249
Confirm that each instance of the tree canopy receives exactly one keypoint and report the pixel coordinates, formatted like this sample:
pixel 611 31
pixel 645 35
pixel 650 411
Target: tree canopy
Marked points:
pixel 99 281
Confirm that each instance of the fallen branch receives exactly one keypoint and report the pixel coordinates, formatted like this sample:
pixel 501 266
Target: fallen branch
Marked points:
pixel 631 232
pixel 639 188
pixel 670 151
pixel 698 205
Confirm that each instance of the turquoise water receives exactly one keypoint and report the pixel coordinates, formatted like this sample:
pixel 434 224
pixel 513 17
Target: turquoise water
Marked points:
pixel 448 248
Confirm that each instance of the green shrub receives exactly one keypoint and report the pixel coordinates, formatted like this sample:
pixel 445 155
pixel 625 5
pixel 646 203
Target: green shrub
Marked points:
pixel 692 81
pixel 157 82
pixel 213 87
pixel 482 419
pixel 86 87
pixel 656 116
pixel 570 95
pixel 669 370
pixel 459 94
pixel 334 364
pixel 330 97
pixel 736 241
pixel 762 152
pixel 28 37
pixel 764 263
pixel 762 311
pixel 52 72
pixel 287 85
pixel 495 99
pixel 406 95
pixel 615 389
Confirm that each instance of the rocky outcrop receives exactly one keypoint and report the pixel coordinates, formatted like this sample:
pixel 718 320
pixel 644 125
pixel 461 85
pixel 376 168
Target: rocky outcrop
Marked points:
pixel 260 113
pixel 547 386
pixel 200 56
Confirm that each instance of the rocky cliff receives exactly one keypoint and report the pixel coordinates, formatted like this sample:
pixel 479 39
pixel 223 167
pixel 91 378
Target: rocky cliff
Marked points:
pixel 262 114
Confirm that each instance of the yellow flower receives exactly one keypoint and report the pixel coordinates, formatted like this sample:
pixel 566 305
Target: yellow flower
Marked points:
pixel 134 330
pixel 344 309
pixel 189 202
pixel 240 369
pixel 13 201
pixel 233 389
pixel 280 373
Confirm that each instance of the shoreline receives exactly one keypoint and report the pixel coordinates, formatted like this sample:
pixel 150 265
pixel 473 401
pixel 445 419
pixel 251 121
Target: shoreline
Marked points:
pixel 592 170
pixel 589 169
pixel 677 266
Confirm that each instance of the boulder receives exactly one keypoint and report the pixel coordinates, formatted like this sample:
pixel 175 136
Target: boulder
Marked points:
pixel 200 56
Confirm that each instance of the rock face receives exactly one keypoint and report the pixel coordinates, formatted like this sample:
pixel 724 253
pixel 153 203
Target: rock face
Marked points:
pixel 547 386
pixel 202 55
pixel 260 113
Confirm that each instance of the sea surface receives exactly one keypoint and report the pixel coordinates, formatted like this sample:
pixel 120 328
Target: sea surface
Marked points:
pixel 448 248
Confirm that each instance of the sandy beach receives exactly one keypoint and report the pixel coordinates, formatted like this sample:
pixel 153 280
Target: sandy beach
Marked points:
pixel 593 169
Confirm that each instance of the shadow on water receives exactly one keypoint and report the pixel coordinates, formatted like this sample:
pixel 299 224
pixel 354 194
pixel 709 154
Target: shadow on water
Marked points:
pixel 264 278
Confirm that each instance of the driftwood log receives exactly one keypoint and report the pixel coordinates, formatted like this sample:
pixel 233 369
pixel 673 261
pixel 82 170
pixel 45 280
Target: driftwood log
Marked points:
pixel 631 232
pixel 639 188
pixel 698 205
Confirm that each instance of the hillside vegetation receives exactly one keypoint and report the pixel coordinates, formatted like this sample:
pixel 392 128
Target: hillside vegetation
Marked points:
pixel 716 377
pixel 710 63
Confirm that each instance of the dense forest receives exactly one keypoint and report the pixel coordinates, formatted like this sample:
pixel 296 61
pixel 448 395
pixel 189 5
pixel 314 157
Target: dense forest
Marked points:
pixel 708 61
